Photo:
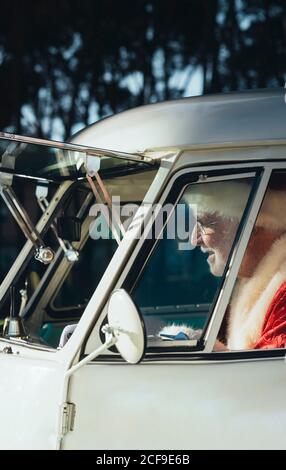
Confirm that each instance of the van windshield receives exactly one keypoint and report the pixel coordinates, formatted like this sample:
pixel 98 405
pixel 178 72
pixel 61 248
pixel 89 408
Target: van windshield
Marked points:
pixel 57 233
pixel 52 161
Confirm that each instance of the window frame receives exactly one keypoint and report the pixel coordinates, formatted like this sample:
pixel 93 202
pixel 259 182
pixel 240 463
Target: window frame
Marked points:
pixel 265 167
pixel 149 246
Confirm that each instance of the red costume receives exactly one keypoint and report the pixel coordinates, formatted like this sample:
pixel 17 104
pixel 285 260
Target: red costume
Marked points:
pixel 257 316
pixel 273 333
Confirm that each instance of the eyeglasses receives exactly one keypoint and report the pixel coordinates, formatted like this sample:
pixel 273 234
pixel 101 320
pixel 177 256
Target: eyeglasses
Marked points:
pixel 203 227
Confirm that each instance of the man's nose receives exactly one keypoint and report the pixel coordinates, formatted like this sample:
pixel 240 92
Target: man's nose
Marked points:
pixel 196 238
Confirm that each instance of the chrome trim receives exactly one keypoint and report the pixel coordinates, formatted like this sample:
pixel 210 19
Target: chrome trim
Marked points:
pixel 26 344
pixel 192 358
pixel 93 151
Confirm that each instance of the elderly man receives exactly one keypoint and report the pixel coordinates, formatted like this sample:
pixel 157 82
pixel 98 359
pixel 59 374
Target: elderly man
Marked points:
pixel 256 316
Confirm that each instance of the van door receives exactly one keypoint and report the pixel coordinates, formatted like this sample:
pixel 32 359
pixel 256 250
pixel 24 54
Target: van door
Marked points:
pixel 184 395
pixel 223 403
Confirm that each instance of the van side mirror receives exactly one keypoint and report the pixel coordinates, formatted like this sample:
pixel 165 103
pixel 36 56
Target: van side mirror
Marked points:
pixel 127 322
pixel 69 228
pixel 125 329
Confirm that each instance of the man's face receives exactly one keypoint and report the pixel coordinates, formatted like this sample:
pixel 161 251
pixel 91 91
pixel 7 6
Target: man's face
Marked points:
pixel 215 236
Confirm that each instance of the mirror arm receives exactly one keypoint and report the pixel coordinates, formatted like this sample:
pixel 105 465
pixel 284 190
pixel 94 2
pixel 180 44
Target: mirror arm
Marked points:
pixel 110 340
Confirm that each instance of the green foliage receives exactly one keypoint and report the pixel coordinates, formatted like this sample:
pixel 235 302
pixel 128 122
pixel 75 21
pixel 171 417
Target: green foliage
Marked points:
pixel 64 63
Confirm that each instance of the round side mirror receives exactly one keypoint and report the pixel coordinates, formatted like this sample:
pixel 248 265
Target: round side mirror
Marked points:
pixel 127 321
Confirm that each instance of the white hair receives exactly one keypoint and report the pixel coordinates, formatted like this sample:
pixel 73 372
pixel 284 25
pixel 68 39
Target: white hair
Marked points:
pixel 228 199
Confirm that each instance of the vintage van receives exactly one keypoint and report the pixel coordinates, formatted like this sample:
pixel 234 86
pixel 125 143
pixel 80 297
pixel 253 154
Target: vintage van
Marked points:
pixel 97 237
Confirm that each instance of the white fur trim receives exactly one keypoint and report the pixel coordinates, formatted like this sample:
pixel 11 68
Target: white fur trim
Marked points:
pixel 174 329
pixel 253 297
pixel 225 198
pixel 228 199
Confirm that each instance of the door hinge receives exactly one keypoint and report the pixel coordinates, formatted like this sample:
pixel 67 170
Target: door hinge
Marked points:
pixel 68 417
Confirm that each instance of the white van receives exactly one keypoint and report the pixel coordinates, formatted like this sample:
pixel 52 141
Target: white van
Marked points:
pixel 124 325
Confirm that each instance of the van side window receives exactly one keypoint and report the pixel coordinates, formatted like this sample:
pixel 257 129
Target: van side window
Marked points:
pixel 256 315
pixel 179 284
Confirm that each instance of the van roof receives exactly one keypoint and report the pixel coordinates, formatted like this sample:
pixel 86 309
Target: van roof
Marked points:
pixel 250 116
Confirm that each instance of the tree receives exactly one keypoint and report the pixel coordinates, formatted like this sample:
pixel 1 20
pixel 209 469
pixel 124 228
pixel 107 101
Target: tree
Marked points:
pixel 66 63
